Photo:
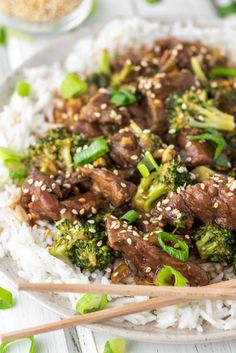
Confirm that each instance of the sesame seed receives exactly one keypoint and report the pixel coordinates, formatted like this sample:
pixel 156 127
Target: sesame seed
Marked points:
pixel 81 200
pixel 168 208
pixel 134 157
pixel 82 211
pixel 145 222
pixel 216 204
pixel 148 270
pixel 99 243
pixel 43 187
pixel 63 210
pixel 30 181
pixel 40 183
pixel 25 191
pixel 123 185
pixel 33 198
pixel 92 230
pixel 91 221
pixel 103 106
pixel 94 210
pixel 36 183
pixel 67 185
pixel 54 185
pixel 129 241
pixel 202 186
pixel 97 114
pixel 115 171
pixel 74 211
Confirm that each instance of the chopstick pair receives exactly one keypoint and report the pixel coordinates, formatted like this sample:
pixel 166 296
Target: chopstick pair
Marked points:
pixel 165 296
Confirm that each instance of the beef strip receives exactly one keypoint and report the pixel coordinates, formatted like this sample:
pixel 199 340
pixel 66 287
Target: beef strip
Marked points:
pixel 100 111
pixel 40 195
pixel 157 89
pixel 125 149
pixel 116 189
pixel 85 204
pixel 194 153
pixel 212 201
pixel 45 204
pixel 146 257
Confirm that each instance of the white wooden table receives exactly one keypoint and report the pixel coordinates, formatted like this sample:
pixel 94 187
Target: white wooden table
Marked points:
pixel 25 311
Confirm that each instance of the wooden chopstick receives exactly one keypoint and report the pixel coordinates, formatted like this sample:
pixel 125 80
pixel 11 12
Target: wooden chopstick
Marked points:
pixel 127 309
pixel 193 293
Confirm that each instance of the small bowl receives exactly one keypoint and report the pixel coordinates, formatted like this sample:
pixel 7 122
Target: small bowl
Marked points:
pixel 51 27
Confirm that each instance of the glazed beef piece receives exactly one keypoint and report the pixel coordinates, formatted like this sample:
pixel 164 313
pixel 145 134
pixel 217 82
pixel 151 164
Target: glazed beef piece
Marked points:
pixel 148 258
pixel 157 89
pixel 193 152
pixel 125 149
pixel 40 195
pixel 85 204
pixel 212 201
pixel 100 111
pixel 116 189
pixel 66 112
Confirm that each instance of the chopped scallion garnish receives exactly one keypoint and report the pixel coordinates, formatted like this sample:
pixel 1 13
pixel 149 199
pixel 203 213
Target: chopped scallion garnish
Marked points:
pixel 104 64
pixel 116 345
pixel 168 276
pixel 123 97
pixel 91 302
pixel 179 250
pixel 6 299
pixel 147 165
pixel 152 1
pixel 72 86
pixel 197 69
pixel 130 217
pixel 3 36
pixel 13 162
pixel 97 149
pixel 32 348
pixel 213 136
pixel 23 88
pixel 218 72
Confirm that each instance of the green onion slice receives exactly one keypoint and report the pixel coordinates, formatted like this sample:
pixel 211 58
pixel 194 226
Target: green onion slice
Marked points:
pixel 6 299
pixel 116 345
pixel 32 348
pixel 179 250
pixel 168 276
pixel 72 86
pixel 3 36
pixel 152 1
pixel 147 164
pixel 104 64
pixel 23 88
pixel 91 302
pixel 12 161
pixel 214 136
pixel 130 216
pixel 123 97
pixel 97 149
pixel 196 66
pixel 16 169
pixel 220 71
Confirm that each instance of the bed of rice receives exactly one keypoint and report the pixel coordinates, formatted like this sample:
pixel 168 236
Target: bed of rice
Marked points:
pixel 22 118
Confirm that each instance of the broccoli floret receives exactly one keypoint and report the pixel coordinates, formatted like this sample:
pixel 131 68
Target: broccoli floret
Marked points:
pixel 215 244
pixel 85 244
pixel 168 177
pixel 54 151
pixel 194 109
pixel 147 140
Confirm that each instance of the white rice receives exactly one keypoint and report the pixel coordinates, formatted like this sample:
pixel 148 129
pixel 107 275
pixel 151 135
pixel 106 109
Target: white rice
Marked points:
pixel 22 118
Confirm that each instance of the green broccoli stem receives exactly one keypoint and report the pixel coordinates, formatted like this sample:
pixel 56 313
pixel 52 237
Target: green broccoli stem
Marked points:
pixel 149 190
pixel 206 246
pixel 212 117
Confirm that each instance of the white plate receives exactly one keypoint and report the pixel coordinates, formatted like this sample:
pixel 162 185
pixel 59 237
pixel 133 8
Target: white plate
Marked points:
pixel 149 332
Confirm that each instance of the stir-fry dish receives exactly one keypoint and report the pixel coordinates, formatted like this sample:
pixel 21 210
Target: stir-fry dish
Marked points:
pixel 140 168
